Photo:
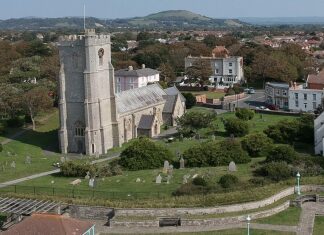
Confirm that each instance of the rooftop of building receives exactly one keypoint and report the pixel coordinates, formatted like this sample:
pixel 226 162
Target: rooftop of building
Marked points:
pixel 278 84
pixel 49 224
pixel 213 57
pixel 316 78
pixel 135 99
pixel 131 72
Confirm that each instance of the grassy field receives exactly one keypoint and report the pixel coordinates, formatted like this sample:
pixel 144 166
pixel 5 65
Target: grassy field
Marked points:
pixel 318 225
pixel 287 217
pixel 227 232
pixel 40 145
pixel 209 94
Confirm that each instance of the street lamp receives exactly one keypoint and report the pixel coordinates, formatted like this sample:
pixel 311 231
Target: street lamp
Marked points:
pixel 248 220
pixel 298 186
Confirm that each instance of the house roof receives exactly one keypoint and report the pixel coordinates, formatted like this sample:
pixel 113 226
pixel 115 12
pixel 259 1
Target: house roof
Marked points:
pixel 138 98
pixel 38 224
pixel 279 85
pixel 174 91
pixel 316 78
pixel 146 122
pixel 170 103
pixel 144 72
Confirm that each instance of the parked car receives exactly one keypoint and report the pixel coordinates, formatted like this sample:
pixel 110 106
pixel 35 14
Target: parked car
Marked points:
pixel 272 107
pixel 246 90
pixel 251 91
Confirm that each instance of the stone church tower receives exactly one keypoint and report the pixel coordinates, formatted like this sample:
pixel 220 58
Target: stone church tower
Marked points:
pixel 88 115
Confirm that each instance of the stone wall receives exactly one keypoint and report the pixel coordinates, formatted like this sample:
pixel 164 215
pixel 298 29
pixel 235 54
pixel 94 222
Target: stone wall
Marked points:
pixel 90 212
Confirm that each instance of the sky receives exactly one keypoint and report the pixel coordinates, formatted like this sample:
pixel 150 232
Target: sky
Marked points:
pixel 129 8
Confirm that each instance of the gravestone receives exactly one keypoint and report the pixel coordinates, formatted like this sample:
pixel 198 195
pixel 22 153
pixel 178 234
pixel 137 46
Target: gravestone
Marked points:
pixel 213 137
pixel 158 179
pixel 76 182
pixel 165 167
pixel 182 163
pixel 194 176
pixel 138 180
pixel 87 177
pixel 28 160
pixel 92 182
pixel 232 167
pixel 170 170
pixel 13 164
pixel 197 136
pixel 168 179
pixel 97 155
pixel 63 159
pixel 185 179
pixel 52 182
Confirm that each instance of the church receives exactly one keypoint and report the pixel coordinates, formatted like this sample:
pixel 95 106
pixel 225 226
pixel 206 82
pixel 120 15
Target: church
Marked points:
pixel 93 117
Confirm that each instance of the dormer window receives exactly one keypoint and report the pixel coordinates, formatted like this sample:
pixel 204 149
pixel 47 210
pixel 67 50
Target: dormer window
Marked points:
pixel 101 53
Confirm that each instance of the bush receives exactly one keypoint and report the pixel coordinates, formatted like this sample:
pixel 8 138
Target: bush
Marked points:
pixel 275 171
pixel 190 189
pixel 190 100
pixel 15 122
pixel 75 169
pixel 199 181
pixel 111 169
pixel 236 127
pixel 256 144
pixel 228 181
pixel 215 153
pixel 2 127
pixel 258 181
pixel 144 154
pixel 244 114
pixel 284 153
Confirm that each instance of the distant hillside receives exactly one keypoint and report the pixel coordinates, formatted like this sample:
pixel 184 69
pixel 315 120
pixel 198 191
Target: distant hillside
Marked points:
pixel 283 20
pixel 166 19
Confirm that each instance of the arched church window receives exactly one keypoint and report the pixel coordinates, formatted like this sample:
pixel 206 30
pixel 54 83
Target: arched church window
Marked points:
pixel 101 53
pixel 79 129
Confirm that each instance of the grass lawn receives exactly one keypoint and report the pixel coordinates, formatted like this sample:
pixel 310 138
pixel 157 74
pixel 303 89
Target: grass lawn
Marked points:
pixel 31 143
pixel 209 94
pixel 227 232
pixel 318 225
pixel 287 217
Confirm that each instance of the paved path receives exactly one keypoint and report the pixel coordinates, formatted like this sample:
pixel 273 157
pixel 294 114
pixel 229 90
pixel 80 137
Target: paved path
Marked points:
pixel 13 137
pixel 307 217
pixel 17 181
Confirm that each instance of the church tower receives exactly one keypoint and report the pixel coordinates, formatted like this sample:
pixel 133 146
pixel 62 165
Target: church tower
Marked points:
pixel 88 115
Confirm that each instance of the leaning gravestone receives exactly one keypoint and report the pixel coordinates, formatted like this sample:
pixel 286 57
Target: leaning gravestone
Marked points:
pixel 158 179
pixel 87 177
pixel 92 182
pixel 165 167
pixel 182 163
pixel 232 167
pixel 13 164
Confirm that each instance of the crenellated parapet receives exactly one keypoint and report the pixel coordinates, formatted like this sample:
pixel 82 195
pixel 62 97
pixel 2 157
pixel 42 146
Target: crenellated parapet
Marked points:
pixel 90 37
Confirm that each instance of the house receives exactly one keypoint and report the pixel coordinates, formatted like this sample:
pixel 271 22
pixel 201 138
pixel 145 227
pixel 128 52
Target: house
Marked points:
pixel 131 78
pixel 319 135
pixel 277 94
pixel 304 100
pixel 174 107
pixel 227 70
pixel 51 224
pixel 316 81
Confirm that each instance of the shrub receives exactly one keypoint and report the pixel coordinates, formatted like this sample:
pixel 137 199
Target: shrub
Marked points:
pixel 275 171
pixel 284 153
pixel 190 189
pixel 75 169
pixel 197 155
pixel 244 114
pixel 256 144
pixel 144 154
pixel 111 169
pixel 15 122
pixel 190 100
pixel 199 181
pixel 228 181
pixel 2 127
pixel 236 127
pixel 258 181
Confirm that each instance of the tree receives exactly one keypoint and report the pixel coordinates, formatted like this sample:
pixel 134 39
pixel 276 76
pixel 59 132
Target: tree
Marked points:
pixel 284 131
pixel 199 72
pixel 35 101
pixel 244 114
pixel 167 72
pixel 284 153
pixel 275 171
pixel 256 144
pixel 236 127
pixel 191 122
pixel 261 66
pixel 210 40
pixel 10 100
pixel 190 100
pixel 143 154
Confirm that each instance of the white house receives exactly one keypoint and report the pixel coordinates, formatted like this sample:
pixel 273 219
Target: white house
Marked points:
pixel 304 100
pixel 126 79
pixel 319 135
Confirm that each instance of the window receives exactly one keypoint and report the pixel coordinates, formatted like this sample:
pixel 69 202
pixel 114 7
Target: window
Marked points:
pixel 217 71
pixel 305 105
pixel 296 96
pixel 118 80
pixel 284 92
pixel 230 71
pixel 101 53
pixel 230 64
pixel 79 131
pixel 314 105
pixel 305 96
pixel 118 88
pixel 296 103
pixel 314 97
pixel 278 92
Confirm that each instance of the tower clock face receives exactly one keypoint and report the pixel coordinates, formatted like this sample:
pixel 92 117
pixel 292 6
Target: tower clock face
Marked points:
pixel 101 52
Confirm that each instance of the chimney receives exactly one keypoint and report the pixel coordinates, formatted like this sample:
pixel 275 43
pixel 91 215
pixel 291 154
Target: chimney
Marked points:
pixel 130 68
pixel 143 66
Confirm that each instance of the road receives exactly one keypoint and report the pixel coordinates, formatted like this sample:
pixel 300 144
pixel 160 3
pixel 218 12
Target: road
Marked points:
pixel 252 101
